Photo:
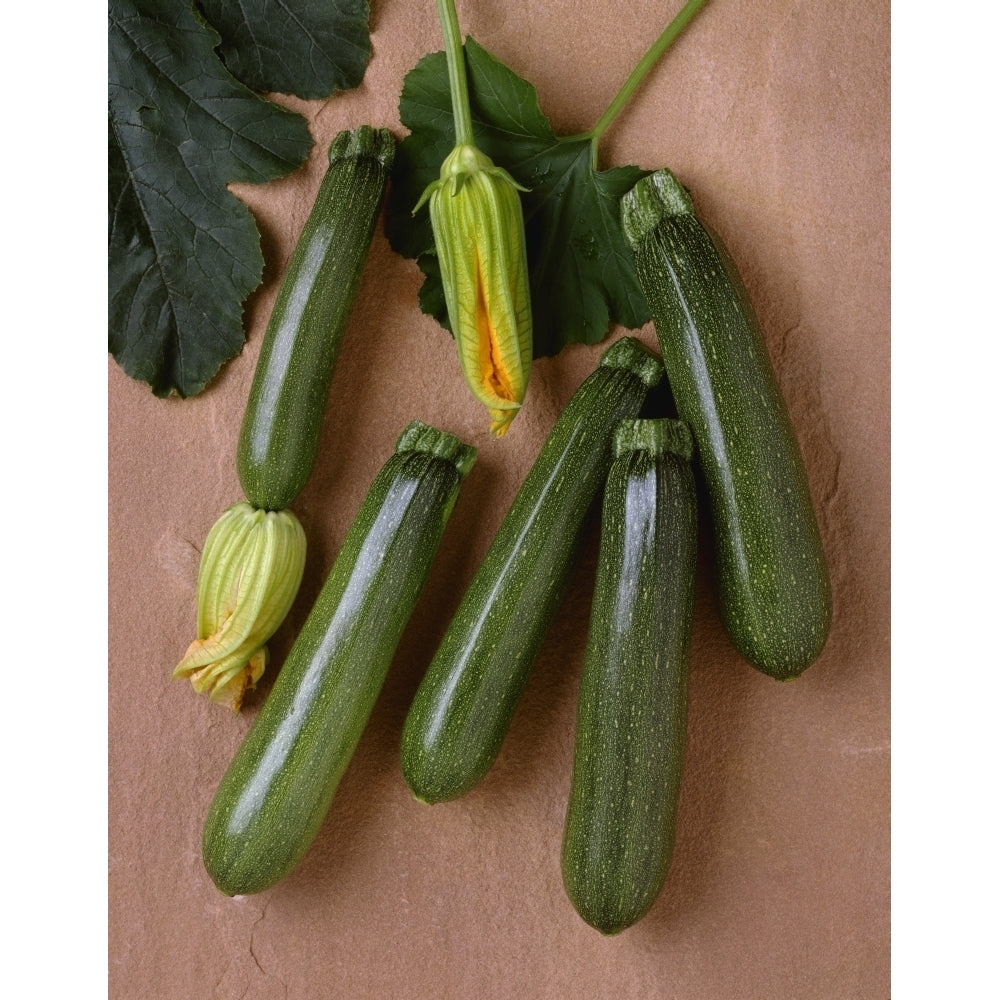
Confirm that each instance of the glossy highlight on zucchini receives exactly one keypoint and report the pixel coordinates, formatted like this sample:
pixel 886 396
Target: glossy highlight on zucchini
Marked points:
pixel 281 427
pixel 632 708
pixel 463 706
pixel 278 789
pixel 774 584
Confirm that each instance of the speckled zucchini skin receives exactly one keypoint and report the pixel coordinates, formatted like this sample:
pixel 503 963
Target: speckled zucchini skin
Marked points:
pixel 774 585
pixel 632 709
pixel 281 427
pixel 464 704
pixel 279 787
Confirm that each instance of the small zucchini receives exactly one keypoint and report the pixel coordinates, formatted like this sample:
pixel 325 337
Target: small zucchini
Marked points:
pixel 464 704
pixel 775 588
pixel 278 789
pixel 281 427
pixel 632 709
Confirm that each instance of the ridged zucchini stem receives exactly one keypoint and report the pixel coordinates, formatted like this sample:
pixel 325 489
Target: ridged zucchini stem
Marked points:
pixel 628 354
pixel 655 437
pixel 421 437
pixel 363 142
pixel 655 198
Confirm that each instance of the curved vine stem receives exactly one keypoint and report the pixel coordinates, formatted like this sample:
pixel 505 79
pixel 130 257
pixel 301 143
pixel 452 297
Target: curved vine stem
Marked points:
pixel 648 61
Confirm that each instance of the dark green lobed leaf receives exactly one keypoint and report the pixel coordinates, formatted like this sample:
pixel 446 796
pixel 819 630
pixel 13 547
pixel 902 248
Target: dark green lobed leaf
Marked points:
pixel 309 48
pixel 183 252
pixel 582 275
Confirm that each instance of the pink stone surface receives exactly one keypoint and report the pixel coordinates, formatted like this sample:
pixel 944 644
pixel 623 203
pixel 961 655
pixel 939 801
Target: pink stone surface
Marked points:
pixel 776 115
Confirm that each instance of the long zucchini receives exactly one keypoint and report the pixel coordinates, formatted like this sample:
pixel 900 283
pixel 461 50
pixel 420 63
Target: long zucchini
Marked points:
pixel 464 704
pixel 632 708
pixel 278 789
pixel 774 585
pixel 281 427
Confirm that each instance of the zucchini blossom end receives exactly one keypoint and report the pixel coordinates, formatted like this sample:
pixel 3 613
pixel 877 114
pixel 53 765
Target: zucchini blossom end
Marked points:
pixel 251 568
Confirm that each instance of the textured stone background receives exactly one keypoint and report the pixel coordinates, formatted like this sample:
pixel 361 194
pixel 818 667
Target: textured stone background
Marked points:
pixel 776 115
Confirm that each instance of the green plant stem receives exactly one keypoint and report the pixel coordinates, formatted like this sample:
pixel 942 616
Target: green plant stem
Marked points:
pixel 457 80
pixel 648 61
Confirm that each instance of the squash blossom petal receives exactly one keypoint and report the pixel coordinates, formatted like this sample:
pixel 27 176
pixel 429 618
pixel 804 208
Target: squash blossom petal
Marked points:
pixel 478 228
pixel 250 571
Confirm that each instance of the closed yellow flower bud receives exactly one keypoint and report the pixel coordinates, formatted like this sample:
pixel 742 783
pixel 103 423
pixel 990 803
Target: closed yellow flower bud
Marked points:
pixel 478 227
pixel 251 568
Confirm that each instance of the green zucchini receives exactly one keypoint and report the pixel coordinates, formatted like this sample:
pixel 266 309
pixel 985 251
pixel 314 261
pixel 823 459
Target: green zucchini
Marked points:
pixel 632 709
pixel 464 704
pixel 281 427
pixel 278 789
pixel 774 584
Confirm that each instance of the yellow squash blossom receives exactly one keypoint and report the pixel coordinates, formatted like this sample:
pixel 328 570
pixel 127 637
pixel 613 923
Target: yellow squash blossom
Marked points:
pixel 250 572
pixel 478 227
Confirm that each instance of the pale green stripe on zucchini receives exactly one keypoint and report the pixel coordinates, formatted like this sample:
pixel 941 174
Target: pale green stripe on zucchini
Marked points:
pixel 632 708
pixel 278 789
pixel 280 434
pixel 774 584
pixel 464 704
